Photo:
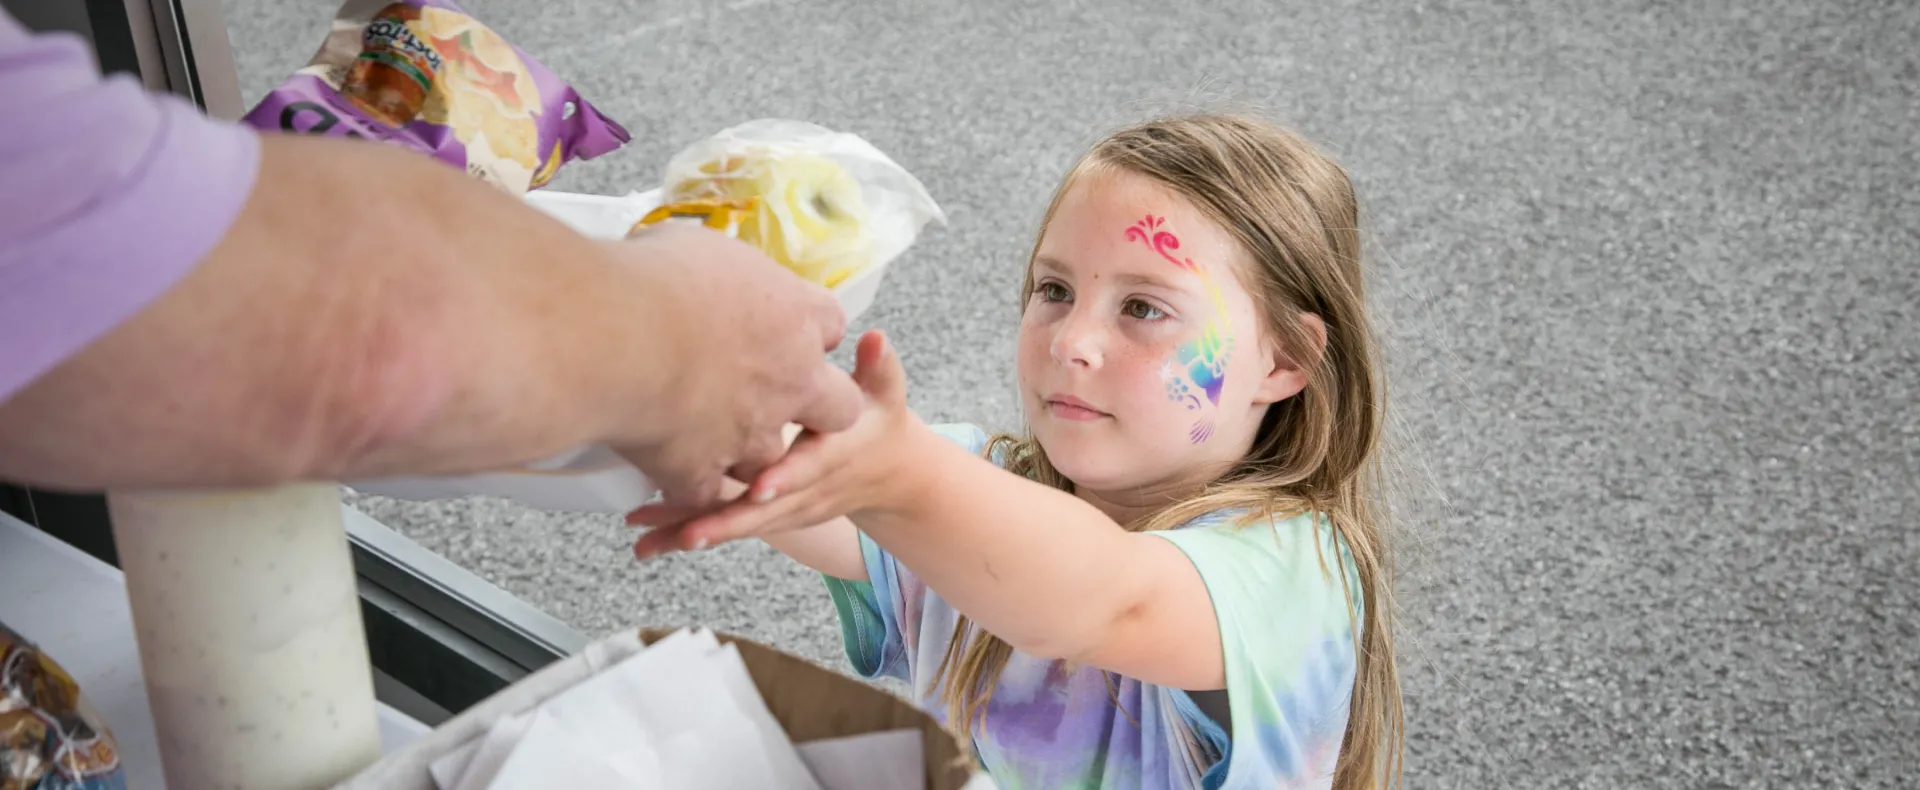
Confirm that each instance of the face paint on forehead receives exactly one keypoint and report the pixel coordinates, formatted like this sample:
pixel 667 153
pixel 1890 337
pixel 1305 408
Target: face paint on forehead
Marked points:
pixel 1203 360
pixel 1148 232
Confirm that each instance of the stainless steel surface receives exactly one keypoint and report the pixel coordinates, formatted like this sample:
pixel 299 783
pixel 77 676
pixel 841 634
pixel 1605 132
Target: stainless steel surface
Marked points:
pixel 483 612
pixel 194 53
pixel 146 46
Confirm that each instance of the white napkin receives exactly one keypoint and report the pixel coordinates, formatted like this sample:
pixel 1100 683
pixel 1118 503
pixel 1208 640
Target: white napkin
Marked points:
pixel 683 713
pixel 481 757
pixel 551 755
pixel 886 760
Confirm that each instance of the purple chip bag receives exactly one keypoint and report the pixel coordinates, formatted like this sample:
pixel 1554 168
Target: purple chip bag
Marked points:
pixel 423 74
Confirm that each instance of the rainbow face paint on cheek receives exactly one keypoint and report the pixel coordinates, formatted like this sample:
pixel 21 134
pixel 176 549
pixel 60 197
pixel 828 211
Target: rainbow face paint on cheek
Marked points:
pixel 1203 360
pixel 1177 389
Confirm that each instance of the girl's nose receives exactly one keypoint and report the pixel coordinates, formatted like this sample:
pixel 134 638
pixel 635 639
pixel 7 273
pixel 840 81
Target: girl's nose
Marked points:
pixel 1077 340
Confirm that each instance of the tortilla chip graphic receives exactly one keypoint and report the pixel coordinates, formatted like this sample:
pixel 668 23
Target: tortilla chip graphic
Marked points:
pixel 485 91
pixel 481 60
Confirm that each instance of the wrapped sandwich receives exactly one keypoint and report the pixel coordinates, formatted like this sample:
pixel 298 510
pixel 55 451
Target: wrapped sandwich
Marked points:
pixel 827 205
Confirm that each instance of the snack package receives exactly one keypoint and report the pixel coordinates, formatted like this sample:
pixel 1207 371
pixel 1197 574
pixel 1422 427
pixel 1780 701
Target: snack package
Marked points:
pixel 50 738
pixel 424 74
pixel 827 205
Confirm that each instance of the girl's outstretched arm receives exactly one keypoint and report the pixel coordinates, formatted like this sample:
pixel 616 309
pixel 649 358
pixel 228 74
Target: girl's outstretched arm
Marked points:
pixel 1048 573
pixel 832 548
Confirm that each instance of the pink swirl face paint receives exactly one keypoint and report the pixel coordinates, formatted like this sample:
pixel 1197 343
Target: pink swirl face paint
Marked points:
pixel 1199 364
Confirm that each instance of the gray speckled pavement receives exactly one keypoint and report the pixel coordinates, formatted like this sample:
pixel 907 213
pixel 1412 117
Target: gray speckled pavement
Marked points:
pixel 1648 272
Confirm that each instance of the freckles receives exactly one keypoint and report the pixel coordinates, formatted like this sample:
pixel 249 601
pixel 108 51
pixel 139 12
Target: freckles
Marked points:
pixel 1030 352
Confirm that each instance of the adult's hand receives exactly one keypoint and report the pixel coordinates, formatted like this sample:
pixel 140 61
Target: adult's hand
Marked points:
pixel 825 476
pixel 751 339
pixel 433 326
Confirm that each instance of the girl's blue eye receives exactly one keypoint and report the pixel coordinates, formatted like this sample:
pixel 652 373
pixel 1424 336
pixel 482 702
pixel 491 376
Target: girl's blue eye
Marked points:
pixel 1142 311
pixel 1053 292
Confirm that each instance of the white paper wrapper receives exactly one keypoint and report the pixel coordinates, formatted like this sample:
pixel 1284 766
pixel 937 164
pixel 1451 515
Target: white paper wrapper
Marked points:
pixel 681 713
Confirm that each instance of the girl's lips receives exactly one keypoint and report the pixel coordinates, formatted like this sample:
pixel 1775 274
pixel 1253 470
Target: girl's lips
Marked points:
pixel 1067 407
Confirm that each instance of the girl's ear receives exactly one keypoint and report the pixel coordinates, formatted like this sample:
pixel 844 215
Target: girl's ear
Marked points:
pixel 1288 377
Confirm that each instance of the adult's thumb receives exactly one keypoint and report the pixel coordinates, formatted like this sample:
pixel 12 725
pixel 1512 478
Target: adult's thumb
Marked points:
pixel 836 401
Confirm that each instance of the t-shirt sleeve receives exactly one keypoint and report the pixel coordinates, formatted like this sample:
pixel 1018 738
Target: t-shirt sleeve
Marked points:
pixel 1286 627
pixel 109 195
pixel 880 618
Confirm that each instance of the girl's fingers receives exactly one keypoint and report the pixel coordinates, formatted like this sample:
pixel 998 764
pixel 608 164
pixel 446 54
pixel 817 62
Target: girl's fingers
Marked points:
pixel 878 372
pixel 658 515
pixel 729 524
pixel 742 519
pixel 678 529
pixel 666 514
pixel 746 520
pixel 661 514
pixel 656 542
pixel 878 369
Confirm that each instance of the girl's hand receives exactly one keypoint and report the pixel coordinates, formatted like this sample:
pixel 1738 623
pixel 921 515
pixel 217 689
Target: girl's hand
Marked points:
pixel 822 477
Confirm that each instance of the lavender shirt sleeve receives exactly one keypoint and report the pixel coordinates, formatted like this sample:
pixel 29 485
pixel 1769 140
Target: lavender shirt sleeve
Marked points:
pixel 109 195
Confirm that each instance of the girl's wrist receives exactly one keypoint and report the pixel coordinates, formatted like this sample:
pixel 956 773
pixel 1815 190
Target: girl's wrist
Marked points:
pixel 907 469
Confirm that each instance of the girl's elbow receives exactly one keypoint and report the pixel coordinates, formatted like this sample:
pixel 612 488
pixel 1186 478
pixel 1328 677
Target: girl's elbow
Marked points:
pixel 1047 648
pixel 1083 641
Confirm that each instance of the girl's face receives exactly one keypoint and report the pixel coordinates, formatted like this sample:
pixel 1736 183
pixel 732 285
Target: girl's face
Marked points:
pixel 1144 369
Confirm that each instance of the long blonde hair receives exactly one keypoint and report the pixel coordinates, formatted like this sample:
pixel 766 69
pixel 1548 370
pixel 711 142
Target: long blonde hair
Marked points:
pixel 1294 211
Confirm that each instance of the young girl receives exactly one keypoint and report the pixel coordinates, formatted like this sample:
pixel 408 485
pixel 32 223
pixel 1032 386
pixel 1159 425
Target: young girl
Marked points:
pixel 1191 511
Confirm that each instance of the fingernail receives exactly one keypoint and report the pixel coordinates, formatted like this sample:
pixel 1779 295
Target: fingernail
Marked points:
pixel 764 495
pixel 699 544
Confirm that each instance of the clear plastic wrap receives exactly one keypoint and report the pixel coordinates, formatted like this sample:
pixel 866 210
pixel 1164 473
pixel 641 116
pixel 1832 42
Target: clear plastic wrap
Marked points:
pixel 827 205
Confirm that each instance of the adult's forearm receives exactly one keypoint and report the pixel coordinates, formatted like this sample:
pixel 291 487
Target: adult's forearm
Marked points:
pixel 371 311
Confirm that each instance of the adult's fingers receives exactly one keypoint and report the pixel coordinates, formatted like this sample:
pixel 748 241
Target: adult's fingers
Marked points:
pixel 696 487
pixel 760 453
pixel 803 465
pixel 835 403
pixel 831 317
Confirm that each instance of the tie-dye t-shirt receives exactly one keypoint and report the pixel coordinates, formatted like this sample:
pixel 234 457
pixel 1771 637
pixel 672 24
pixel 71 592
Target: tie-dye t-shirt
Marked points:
pixel 1285 624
